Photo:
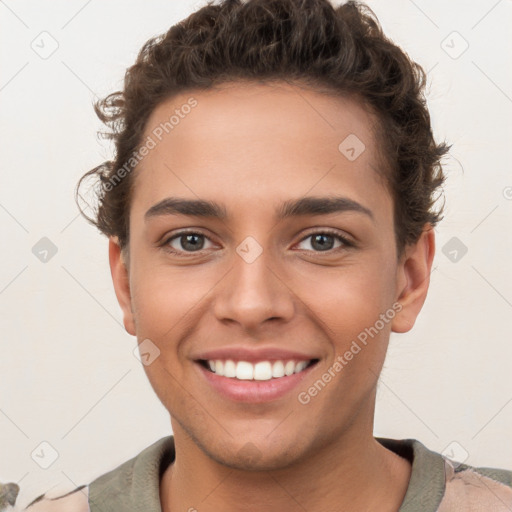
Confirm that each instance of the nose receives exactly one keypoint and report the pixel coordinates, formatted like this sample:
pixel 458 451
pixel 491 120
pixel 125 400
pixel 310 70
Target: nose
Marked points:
pixel 254 291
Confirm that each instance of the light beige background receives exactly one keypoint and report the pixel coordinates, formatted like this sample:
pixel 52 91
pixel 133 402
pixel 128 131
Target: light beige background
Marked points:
pixel 68 374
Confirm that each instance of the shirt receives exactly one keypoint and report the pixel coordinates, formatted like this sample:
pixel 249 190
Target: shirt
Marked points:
pixel 437 484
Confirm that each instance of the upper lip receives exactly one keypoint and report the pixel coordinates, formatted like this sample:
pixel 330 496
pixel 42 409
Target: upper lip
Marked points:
pixel 240 353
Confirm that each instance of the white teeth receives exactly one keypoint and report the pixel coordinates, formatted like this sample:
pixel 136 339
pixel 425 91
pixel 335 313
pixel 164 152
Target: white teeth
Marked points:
pixel 262 370
pixel 244 370
pixel 278 369
pixel 289 368
pixel 229 369
pixel 300 366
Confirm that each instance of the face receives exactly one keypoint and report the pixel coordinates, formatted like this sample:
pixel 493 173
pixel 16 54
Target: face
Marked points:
pixel 285 266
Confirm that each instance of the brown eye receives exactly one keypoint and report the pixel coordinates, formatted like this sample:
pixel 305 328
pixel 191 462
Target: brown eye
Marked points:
pixel 185 242
pixel 324 241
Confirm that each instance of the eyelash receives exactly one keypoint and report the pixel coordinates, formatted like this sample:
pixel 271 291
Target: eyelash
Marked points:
pixel 345 242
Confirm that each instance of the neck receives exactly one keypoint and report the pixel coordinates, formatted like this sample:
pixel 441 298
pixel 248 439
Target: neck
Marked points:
pixel 355 474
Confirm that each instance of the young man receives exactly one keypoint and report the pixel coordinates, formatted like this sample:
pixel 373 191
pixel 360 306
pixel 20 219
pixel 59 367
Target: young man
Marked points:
pixel 270 214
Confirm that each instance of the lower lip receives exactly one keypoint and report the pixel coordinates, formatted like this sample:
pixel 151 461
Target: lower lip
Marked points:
pixel 254 391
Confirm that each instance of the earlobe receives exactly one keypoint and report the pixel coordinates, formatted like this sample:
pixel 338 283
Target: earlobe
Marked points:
pixel 120 278
pixel 413 280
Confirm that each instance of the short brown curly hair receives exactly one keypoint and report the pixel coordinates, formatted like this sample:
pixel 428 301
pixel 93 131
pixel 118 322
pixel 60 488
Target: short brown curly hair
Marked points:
pixel 341 49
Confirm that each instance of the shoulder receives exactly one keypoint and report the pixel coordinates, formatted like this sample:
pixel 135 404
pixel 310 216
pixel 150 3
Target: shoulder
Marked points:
pixel 132 484
pixel 476 488
pixel 439 483
pixel 76 500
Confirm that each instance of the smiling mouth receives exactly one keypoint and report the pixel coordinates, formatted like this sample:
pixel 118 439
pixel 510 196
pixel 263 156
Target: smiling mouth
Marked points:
pixel 260 371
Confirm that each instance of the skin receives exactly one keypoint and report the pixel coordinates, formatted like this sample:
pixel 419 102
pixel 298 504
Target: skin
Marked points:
pixel 283 145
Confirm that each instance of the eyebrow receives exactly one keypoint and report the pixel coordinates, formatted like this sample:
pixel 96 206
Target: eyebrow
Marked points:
pixel 290 208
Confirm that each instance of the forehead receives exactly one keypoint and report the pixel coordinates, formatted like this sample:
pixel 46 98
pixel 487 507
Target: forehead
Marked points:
pixel 245 141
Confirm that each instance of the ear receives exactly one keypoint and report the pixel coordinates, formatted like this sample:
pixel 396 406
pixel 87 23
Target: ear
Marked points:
pixel 413 279
pixel 120 277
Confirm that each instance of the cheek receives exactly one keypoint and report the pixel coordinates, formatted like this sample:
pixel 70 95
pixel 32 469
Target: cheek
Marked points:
pixel 165 299
pixel 354 312
pixel 351 298
pixel 354 307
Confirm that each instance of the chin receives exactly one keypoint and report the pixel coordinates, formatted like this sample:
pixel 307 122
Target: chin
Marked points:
pixel 254 456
